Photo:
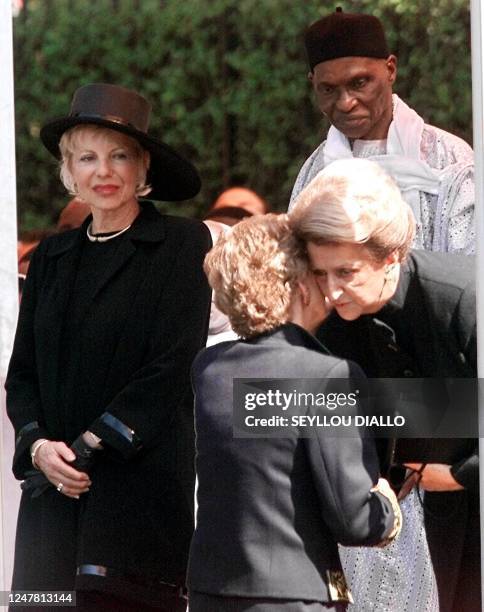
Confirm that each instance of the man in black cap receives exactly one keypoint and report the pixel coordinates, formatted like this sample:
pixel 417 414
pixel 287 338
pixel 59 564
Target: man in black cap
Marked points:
pixel 352 73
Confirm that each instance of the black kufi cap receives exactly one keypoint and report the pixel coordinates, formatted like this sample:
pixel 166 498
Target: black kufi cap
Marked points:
pixel 345 35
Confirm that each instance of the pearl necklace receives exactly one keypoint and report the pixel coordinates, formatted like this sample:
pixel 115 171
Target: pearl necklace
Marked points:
pixel 104 238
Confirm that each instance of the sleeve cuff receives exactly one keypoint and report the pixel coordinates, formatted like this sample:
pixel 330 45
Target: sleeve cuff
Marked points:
pixel 26 436
pixel 117 435
pixel 466 472
pixel 394 531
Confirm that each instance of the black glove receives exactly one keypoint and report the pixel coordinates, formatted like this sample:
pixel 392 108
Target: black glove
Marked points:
pixel 84 455
pixel 36 482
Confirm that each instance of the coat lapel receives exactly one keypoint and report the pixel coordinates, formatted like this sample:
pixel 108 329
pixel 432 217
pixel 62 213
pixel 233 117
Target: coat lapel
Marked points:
pixel 65 256
pixel 68 257
pixel 292 334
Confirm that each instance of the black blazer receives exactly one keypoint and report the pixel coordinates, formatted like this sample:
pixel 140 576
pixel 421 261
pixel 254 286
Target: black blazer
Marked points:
pixel 271 511
pixel 429 330
pixel 154 298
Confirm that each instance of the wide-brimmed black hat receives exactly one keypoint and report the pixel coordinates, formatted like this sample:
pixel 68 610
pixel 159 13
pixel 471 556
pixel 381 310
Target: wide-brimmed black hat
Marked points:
pixel 171 176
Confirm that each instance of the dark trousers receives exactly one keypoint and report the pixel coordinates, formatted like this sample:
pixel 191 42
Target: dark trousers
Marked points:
pixel 95 601
pixel 452 523
pixel 202 602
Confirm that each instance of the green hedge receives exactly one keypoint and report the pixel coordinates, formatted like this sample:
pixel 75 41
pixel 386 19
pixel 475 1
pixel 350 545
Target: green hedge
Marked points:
pixel 227 80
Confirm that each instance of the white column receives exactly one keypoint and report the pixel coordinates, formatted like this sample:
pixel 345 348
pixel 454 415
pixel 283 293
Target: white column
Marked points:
pixel 9 489
pixel 477 28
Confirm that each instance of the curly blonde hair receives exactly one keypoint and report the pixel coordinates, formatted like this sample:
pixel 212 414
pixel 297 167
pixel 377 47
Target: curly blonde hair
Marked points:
pixel 355 201
pixel 253 270
pixel 68 144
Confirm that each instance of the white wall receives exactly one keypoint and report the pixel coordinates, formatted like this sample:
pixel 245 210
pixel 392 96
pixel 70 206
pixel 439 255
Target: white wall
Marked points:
pixel 9 488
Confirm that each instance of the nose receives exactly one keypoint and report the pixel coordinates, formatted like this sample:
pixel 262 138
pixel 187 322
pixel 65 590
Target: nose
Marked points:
pixel 345 102
pixel 333 289
pixel 104 167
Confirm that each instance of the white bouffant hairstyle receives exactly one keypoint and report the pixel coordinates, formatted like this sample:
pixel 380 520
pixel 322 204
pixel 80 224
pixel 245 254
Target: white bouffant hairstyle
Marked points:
pixel 355 201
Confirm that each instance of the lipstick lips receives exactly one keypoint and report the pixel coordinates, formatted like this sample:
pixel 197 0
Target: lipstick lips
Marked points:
pixel 106 189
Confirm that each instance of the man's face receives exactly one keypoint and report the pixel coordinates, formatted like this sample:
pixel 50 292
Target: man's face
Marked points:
pixel 355 93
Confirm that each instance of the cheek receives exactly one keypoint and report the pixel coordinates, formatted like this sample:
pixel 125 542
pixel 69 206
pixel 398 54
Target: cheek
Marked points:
pixel 322 283
pixel 323 102
pixel 359 295
pixel 132 175
pixel 80 176
pixel 325 106
pixel 81 170
pixel 376 100
pixel 74 171
pixel 371 291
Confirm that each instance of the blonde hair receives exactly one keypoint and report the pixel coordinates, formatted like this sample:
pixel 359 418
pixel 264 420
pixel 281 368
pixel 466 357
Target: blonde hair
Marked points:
pixel 69 141
pixel 253 270
pixel 355 201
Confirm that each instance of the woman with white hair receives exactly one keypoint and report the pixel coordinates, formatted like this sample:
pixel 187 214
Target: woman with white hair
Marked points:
pixel 272 509
pixel 400 313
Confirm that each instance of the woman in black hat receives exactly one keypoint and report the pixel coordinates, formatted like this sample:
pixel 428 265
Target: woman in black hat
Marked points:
pixel 98 386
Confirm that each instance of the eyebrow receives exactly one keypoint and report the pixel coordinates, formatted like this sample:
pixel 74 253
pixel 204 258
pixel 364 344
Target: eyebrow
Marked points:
pixel 346 264
pixel 361 74
pixel 120 147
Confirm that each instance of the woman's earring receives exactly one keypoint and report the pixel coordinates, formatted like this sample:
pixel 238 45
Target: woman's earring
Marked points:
pixel 386 279
pixel 390 272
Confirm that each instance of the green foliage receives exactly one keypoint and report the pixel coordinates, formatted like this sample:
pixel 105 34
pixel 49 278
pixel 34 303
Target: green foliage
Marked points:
pixel 227 80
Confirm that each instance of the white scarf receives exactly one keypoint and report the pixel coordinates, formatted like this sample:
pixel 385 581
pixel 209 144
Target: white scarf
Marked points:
pixel 402 160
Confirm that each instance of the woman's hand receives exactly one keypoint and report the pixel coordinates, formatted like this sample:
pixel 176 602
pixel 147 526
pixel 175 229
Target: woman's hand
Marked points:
pixel 436 477
pixel 383 487
pixel 53 459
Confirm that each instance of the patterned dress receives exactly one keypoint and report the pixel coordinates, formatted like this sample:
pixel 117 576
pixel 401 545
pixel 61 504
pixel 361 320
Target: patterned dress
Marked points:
pixel 398 578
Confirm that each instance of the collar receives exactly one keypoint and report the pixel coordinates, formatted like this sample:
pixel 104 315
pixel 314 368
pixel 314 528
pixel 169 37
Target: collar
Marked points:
pixel 397 302
pixel 147 227
pixel 293 334
pixel 403 158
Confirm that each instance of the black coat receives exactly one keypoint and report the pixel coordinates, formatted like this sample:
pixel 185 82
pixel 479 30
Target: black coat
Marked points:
pixel 428 329
pixel 271 510
pixel 141 328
